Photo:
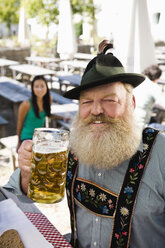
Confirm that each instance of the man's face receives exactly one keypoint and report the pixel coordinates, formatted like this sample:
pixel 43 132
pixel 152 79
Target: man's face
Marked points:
pixel 102 133
pixel 109 100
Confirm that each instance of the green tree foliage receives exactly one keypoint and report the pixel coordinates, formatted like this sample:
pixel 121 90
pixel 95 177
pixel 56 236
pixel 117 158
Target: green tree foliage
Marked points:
pixel 46 11
pixel 9 12
pixel 83 6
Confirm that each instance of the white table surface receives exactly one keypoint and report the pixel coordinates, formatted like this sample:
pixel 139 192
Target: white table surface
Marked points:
pixel 31 70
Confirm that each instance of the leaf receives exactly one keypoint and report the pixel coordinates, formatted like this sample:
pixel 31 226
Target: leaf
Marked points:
pixel 97 197
pixel 96 205
pixel 128 202
pixel 121 240
pixel 136 174
pixel 119 244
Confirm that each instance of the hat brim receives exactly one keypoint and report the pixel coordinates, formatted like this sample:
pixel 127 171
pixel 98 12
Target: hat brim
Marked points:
pixel 131 78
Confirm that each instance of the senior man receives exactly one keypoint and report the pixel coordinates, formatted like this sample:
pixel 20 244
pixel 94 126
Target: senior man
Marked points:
pixel 115 178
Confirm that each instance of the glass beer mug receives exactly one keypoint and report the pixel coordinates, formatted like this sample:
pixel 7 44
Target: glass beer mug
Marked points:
pixel 49 165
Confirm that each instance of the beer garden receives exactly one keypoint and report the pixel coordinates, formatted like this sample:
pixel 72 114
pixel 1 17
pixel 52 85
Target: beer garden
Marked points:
pixel 29 45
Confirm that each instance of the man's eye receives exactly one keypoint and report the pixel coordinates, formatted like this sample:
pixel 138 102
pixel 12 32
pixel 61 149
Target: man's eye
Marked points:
pixel 86 102
pixel 109 100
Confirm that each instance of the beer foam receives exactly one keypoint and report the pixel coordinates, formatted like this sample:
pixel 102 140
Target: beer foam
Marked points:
pixel 48 148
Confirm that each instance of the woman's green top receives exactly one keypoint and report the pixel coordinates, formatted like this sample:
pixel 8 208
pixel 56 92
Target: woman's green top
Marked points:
pixel 31 122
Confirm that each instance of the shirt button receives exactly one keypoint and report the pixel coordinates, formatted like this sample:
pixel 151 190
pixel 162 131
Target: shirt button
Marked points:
pixel 95 243
pixel 99 174
pixel 97 219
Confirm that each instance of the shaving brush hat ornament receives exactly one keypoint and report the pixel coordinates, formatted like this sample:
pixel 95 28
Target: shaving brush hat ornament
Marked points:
pixel 103 69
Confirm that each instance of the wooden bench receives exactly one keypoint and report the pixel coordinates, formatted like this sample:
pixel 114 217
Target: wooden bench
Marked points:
pixel 59 98
pixel 69 80
pixel 3 123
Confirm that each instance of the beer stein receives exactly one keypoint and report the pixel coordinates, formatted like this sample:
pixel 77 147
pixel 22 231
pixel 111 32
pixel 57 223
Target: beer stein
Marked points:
pixel 48 165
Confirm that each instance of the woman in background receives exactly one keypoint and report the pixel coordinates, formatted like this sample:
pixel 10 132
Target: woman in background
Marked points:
pixel 32 112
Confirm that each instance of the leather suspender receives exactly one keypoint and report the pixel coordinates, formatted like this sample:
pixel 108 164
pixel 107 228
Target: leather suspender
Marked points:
pixel 124 204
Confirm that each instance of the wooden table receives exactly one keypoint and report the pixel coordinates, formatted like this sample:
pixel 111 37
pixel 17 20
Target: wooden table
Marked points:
pixel 4 63
pixel 65 110
pixel 42 61
pixel 30 71
pixel 84 56
pixel 71 65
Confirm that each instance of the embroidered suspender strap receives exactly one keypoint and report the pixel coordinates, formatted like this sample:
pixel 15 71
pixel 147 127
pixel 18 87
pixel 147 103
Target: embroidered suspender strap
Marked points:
pixel 127 198
pixel 95 198
pixel 70 179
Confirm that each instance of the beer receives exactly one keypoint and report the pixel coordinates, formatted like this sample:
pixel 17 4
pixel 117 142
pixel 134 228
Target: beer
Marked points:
pixel 47 183
pixel 48 165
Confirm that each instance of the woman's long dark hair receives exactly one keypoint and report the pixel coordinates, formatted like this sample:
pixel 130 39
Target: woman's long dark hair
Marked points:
pixel 46 98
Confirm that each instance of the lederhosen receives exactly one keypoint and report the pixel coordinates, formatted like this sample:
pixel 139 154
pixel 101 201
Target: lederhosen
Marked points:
pixel 102 201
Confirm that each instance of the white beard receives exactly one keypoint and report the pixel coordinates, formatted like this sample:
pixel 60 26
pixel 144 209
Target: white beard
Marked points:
pixel 105 147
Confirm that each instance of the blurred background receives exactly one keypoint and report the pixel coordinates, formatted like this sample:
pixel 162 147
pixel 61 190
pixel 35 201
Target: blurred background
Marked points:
pixel 57 38
pixel 39 24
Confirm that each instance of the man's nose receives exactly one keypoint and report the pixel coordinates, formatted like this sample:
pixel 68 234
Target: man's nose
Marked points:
pixel 97 108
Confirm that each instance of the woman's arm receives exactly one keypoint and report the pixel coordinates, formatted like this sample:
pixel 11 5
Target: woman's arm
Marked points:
pixel 22 112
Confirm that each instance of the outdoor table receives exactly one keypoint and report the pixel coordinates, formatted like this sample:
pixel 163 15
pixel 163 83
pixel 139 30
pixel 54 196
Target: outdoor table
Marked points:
pixel 14 91
pixel 38 220
pixel 6 63
pixel 42 61
pixel 65 110
pixel 71 65
pixel 84 56
pixel 30 71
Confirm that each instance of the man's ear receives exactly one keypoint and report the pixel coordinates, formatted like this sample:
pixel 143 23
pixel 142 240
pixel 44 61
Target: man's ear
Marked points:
pixel 134 101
